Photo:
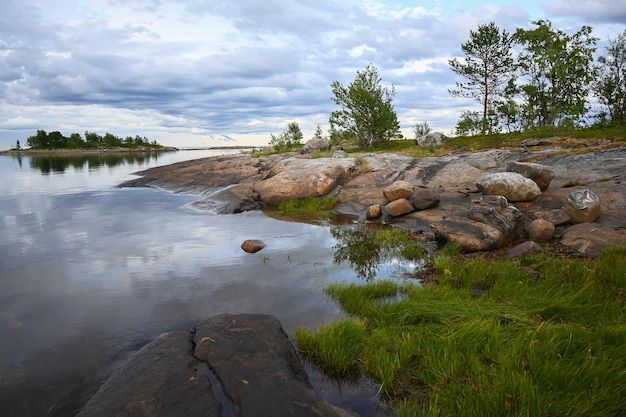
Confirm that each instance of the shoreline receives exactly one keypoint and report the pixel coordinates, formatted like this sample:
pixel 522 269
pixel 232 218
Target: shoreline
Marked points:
pixel 85 151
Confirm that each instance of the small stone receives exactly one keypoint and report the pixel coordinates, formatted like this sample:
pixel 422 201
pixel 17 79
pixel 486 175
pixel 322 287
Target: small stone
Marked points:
pixel 397 190
pixel 540 230
pixel 524 249
pixel 253 245
pixel 399 207
pixel 373 212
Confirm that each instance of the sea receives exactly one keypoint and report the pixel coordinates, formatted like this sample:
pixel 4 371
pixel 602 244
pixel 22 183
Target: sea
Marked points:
pixel 90 273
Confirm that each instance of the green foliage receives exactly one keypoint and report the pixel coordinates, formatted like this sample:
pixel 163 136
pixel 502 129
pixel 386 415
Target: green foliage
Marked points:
pixel 488 68
pixel 56 140
pixel 310 208
pixel 556 74
pixel 366 110
pixel 610 85
pixel 421 129
pixel 290 138
pixel 537 336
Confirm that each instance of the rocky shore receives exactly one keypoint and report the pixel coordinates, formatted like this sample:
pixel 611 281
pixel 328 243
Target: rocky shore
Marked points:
pixel 447 198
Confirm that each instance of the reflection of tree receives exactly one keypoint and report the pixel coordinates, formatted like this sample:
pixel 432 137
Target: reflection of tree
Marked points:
pixel 360 249
pixel 93 162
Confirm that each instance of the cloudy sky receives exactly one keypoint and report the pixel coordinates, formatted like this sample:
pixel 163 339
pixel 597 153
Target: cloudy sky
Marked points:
pixel 222 72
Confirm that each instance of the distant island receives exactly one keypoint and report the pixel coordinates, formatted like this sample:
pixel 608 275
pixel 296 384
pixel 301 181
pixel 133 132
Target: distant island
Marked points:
pixel 43 142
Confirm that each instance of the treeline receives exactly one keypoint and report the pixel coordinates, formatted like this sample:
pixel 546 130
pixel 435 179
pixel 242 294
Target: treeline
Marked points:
pixel 540 77
pixel 91 140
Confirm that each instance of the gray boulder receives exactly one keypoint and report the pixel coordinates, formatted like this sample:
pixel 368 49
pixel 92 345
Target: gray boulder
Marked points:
pixel 424 198
pixel 542 175
pixel 432 139
pixel 511 185
pixel 240 365
pixel 316 145
pixel 582 206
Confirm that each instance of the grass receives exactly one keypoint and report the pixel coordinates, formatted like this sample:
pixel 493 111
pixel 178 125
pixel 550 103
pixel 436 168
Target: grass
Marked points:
pixel 309 208
pixel 544 337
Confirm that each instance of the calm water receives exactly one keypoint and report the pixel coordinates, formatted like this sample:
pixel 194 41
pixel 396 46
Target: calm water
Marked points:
pixel 90 273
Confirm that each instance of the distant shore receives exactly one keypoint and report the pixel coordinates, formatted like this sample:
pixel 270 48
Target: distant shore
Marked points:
pixel 140 149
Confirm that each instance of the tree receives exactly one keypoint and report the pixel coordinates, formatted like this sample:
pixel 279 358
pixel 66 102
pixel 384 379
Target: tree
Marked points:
pixel 421 129
pixel 289 138
pixel 39 141
pixel 610 85
pixel 366 109
pixel 488 67
pixel 557 71
pixel 17 145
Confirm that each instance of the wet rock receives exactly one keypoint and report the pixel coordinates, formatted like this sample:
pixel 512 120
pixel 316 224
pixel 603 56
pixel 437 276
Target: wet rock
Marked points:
pixel 316 145
pixel 373 212
pixel 589 239
pixel 399 189
pixel 540 230
pixel 542 175
pixel 513 186
pixel 524 249
pixel 582 206
pixel 240 365
pixel 432 139
pixel 399 207
pixel 253 245
pixel 424 198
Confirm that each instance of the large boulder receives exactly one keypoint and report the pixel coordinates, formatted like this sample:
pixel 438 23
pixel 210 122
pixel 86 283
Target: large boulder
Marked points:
pixel 316 145
pixel 582 206
pixel 295 178
pixel 495 211
pixel 398 189
pixel 511 185
pixel 589 239
pixel 542 175
pixel 432 139
pixel 241 364
pixel 399 207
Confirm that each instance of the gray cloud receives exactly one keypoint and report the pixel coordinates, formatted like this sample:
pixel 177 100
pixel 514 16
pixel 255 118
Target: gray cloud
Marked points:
pixel 194 69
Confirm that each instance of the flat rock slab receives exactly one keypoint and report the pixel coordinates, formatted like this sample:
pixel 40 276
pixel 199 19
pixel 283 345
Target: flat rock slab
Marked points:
pixel 242 364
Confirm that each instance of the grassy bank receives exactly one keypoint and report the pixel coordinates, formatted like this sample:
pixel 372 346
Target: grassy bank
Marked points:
pixel 539 336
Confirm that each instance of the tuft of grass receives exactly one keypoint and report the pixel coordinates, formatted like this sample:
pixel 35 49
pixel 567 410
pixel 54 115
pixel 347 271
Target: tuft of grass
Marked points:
pixel 544 336
pixel 572 183
pixel 310 208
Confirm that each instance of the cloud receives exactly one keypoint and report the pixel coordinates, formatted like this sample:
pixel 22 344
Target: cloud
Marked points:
pixel 591 11
pixel 192 70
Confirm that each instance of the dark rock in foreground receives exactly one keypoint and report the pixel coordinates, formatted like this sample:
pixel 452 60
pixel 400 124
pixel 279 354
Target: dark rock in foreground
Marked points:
pixel 241 364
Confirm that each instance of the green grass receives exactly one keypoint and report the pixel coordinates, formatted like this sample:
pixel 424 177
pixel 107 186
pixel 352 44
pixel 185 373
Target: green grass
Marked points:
pixel 543 337
pixel 309 208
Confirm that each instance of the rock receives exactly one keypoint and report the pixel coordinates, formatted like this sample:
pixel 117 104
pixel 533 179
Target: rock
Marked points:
pixel 432 139
pixel 424 198
pixel 340 153
pixel 373 212
pixel 541 174
pixel 557 217
pixel 495 211
pixel 253 245
pixel 242 365
pixel 540 230
pixel 399 189
pixel 589 239
pixel 582 206
pixel 524 249
pixel 471 235
pixel 294 178
pixel 316 145
pixel 513 186
pixel 399 207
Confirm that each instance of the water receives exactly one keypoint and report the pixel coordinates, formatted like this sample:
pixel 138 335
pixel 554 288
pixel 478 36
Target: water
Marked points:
pixel 90 273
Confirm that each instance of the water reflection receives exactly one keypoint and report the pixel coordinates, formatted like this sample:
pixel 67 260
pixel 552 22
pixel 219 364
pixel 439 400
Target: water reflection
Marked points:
pixel 371 254
pixel 92 162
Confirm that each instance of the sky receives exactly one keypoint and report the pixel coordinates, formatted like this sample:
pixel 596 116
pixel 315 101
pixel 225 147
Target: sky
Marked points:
pixel 190 73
